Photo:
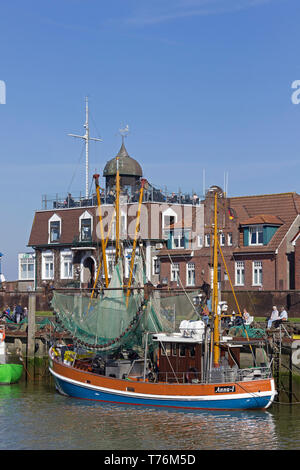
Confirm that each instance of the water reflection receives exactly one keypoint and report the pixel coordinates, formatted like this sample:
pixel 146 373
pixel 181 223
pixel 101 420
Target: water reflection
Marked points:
pixel 34 416
pixel 173 429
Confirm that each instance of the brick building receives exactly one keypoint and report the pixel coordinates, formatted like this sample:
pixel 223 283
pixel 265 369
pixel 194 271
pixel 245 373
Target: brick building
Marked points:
pixel 265 256
pixel 192 265
pixel 258 235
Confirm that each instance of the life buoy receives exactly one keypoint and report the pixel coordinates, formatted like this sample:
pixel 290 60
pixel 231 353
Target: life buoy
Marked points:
pixel 296 357
pixel 2 335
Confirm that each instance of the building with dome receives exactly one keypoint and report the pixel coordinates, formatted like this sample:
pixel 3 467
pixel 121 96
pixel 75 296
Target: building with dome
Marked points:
pixel 130 173
pixel 66 238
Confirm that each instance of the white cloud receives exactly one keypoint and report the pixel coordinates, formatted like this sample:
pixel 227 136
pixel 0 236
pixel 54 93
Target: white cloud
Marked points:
pixel 159 11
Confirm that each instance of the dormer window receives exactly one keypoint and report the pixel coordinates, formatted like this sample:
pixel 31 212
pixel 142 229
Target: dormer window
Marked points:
pixel 259 230
pixel 86 230
pixel 54 229
pixel 86 227
pixel 256 235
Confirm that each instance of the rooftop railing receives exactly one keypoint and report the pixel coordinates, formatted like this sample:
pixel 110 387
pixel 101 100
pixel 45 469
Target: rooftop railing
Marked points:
pixel 69 200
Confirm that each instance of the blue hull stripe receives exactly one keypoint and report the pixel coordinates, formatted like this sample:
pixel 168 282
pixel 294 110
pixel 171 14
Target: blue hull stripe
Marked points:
pixel 229 402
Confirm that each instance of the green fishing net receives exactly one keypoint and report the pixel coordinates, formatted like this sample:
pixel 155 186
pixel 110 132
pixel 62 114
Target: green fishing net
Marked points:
pixel 112 320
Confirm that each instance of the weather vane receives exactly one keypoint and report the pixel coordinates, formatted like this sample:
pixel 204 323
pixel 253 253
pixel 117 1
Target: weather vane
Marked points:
pixel 124 131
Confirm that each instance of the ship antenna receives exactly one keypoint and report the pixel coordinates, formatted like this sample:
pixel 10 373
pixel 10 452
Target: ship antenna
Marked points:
pixel 87 138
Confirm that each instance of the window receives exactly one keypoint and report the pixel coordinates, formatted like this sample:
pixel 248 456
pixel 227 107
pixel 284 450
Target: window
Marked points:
pixel 190 279
pixel 85 227
pixel 156 266
pixel 168 349
pixel 182 350
pixel 200 241
pixel 86 230
pixel 207 239
pixel 229 239
pixel 66 264
pixel 169 217
pixel 219 276
pixel 178 240
pixel 111 261
pixel 222 239
pixel 175 272
pixel 169 220
pixel 54 229
pixel 174 349
pixel 256 235
pixel 26 266
pixel 48 265
pixel 165 349
pixel 239 273
pixel 122 227
pixel 257 273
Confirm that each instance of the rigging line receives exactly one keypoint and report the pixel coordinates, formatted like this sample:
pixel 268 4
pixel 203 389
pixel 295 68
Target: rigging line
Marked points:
pixel 79 161
pixel 225 265
pixel 94 122
pixel 253 306
pixel 100 265
pixel 90 190
pixel 184 289
pixel 163 347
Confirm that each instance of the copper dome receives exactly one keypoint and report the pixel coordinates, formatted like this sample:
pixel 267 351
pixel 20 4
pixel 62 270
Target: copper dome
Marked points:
pixel 127 165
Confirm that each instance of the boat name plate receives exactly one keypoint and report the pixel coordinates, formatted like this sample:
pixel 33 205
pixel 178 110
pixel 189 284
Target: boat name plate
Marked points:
pixel 227 389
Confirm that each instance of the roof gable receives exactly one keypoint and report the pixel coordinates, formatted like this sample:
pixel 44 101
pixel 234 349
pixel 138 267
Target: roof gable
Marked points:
pixel 278 209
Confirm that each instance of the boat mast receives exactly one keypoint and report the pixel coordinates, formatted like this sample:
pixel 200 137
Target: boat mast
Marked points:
pixel 87 138
pixel 96 177
pixel 137 228
pixel 215 290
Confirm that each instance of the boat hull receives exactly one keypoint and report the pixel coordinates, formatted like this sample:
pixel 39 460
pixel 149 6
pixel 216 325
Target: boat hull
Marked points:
pixel 255 394
pixel 10 373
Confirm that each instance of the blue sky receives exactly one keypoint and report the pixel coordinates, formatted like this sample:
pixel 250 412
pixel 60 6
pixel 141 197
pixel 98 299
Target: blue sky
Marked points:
pixel 202 84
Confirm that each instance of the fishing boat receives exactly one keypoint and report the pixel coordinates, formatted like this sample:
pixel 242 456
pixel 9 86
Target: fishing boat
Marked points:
pixel 10 369
pixel 125 349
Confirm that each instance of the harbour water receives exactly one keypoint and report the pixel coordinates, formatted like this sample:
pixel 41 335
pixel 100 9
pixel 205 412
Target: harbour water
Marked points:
pixel 34 416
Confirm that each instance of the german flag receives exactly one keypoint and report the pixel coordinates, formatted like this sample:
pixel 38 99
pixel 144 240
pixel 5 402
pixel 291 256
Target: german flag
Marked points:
pixel 231 213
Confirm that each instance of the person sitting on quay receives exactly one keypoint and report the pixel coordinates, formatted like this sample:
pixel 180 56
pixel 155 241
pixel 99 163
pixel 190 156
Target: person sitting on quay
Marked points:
pixel 283 317
pixel 274 316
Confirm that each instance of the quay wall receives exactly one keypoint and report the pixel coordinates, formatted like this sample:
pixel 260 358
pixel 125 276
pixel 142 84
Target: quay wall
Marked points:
pixel 12 298
pixel 259 303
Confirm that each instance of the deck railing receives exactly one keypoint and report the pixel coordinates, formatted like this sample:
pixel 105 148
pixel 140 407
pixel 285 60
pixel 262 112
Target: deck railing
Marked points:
pixel 217 375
